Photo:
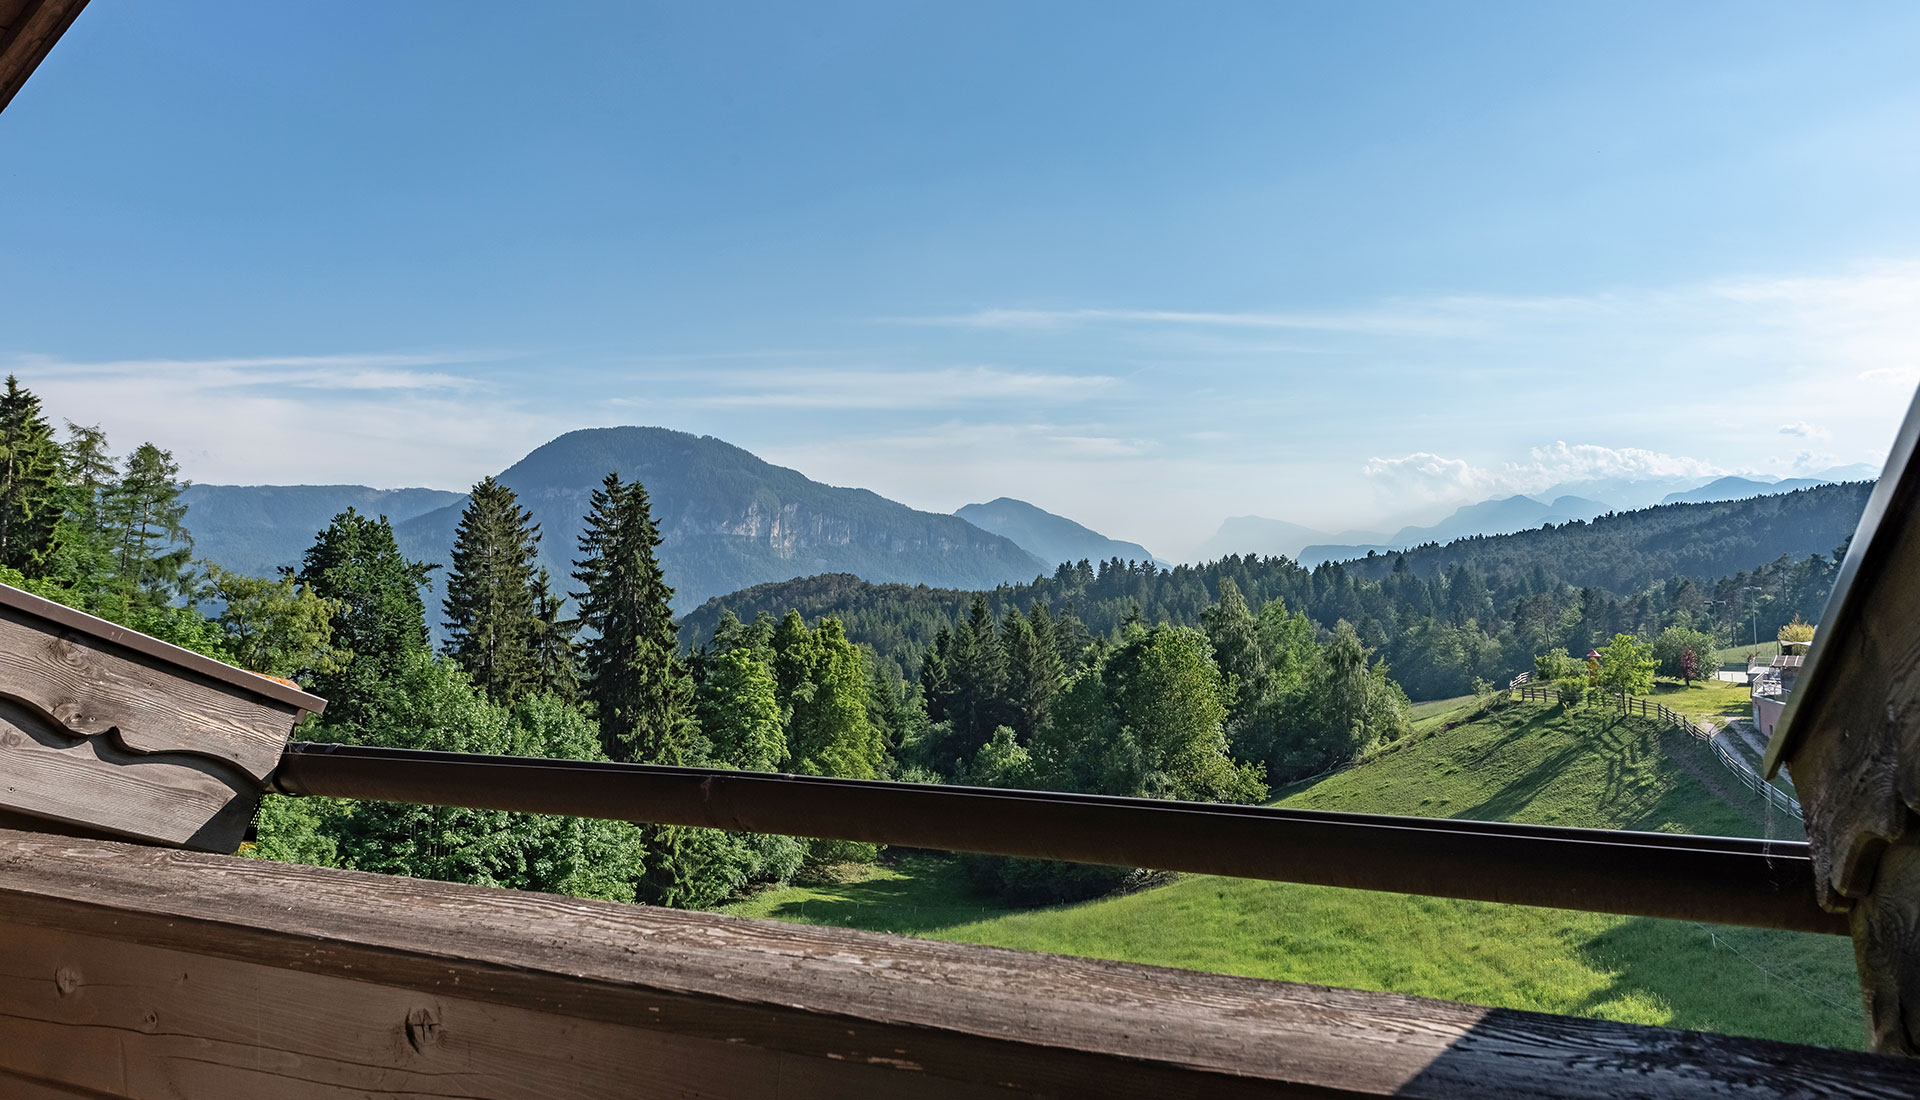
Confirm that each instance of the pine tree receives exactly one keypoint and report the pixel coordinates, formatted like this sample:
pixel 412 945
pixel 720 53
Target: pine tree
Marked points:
pixel 380 620
pixel 1034 673
pixel 640 690
pixel 33 481
pixel 978 669
pixel 147 522
pixel 490 603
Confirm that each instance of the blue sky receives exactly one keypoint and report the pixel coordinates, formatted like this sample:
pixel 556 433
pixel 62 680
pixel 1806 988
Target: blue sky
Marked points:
pixel 1147 266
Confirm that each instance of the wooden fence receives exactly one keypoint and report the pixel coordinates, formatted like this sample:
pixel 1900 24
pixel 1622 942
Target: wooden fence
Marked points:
pixel 1647 708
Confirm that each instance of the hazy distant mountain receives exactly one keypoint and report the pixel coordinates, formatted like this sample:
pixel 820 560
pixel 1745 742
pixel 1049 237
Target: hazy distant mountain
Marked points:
pixel 1046 536
pixel 1622 494
pixel 1500 516
pixel 1857 471
pixel 731 520
pixel 255 529
pixel 1740 488
pixel 1259 535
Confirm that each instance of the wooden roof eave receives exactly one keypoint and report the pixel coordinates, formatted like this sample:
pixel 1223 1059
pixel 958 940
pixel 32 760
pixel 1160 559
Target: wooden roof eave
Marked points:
pixel 28 30
pixel 1884 541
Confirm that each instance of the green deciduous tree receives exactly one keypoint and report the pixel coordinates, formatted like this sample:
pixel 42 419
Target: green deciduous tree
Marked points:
pixel 1627 666
pixel 1674 643
pixel 822 681
pixel 278 627
pixel 492 613
pixel 738 712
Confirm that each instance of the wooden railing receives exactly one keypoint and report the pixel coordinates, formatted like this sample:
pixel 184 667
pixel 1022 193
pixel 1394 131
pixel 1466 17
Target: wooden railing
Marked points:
pixel 142 973
pixel 1731 760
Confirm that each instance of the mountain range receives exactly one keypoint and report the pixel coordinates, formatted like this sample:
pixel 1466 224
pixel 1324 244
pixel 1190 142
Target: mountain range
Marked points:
pixel 731 520
pixel 728 519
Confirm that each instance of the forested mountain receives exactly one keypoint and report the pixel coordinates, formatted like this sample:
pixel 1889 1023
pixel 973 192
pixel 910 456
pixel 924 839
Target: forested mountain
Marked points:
pixel 1489 517
pixel 1441 615
pixel 1051 538
pixel 731 519
pixel 256 529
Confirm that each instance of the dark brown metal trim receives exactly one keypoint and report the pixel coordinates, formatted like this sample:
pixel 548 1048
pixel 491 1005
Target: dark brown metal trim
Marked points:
pixel 28 37
pixel 154 649
pixel 1879 543
pixel 1722 879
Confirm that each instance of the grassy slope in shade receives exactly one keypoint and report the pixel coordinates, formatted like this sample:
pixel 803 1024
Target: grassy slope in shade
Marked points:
pixel 1526 763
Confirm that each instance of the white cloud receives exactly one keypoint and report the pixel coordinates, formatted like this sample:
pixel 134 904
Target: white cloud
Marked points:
pixel 1804 430
pixel 1443 480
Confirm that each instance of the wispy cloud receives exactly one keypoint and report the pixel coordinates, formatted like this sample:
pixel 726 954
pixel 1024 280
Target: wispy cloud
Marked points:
pixel 813 388
pixel 382 419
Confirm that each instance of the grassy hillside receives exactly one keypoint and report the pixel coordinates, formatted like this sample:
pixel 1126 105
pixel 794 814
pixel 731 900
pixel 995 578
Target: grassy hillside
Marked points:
pixel 1525 763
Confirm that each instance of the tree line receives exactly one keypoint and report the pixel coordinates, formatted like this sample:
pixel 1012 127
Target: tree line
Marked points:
pixel 1443 618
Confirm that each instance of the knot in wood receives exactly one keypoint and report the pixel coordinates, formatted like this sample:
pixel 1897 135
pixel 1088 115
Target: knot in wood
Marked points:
pixel 66 980
pixel 423 1029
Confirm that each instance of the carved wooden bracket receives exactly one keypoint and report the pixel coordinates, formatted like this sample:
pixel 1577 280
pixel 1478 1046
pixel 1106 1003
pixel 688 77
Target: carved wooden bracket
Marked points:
pixel 107 731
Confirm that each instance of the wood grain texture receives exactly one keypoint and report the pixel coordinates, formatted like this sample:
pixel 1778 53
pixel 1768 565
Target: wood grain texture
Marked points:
pixel 93 687
pixel 91 783
pixel 721 1003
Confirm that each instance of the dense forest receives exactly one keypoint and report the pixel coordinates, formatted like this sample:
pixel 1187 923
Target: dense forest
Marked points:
pixel 1442 616
pixel 1207 683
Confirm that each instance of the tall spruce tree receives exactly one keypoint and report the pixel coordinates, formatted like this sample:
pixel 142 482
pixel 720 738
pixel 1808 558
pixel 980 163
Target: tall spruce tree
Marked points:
pixel 1034 672
pixel 490 606
pixel 380 619
pixel 640 690
pixel 33 481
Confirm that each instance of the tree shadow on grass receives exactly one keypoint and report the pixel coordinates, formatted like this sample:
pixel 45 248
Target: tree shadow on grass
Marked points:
pixel 1515 796
pixel 930 894
pixel 1792 986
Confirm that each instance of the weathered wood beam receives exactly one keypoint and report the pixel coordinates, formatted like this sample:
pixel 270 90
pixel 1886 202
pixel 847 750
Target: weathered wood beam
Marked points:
pixel 28 30
pixel 139 972
pixel 1851 737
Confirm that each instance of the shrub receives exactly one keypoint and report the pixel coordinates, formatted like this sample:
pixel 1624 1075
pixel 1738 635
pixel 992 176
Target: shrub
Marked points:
pixel 1572 690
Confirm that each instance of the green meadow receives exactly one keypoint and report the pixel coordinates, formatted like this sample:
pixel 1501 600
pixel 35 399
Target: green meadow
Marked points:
pixel 1528 763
